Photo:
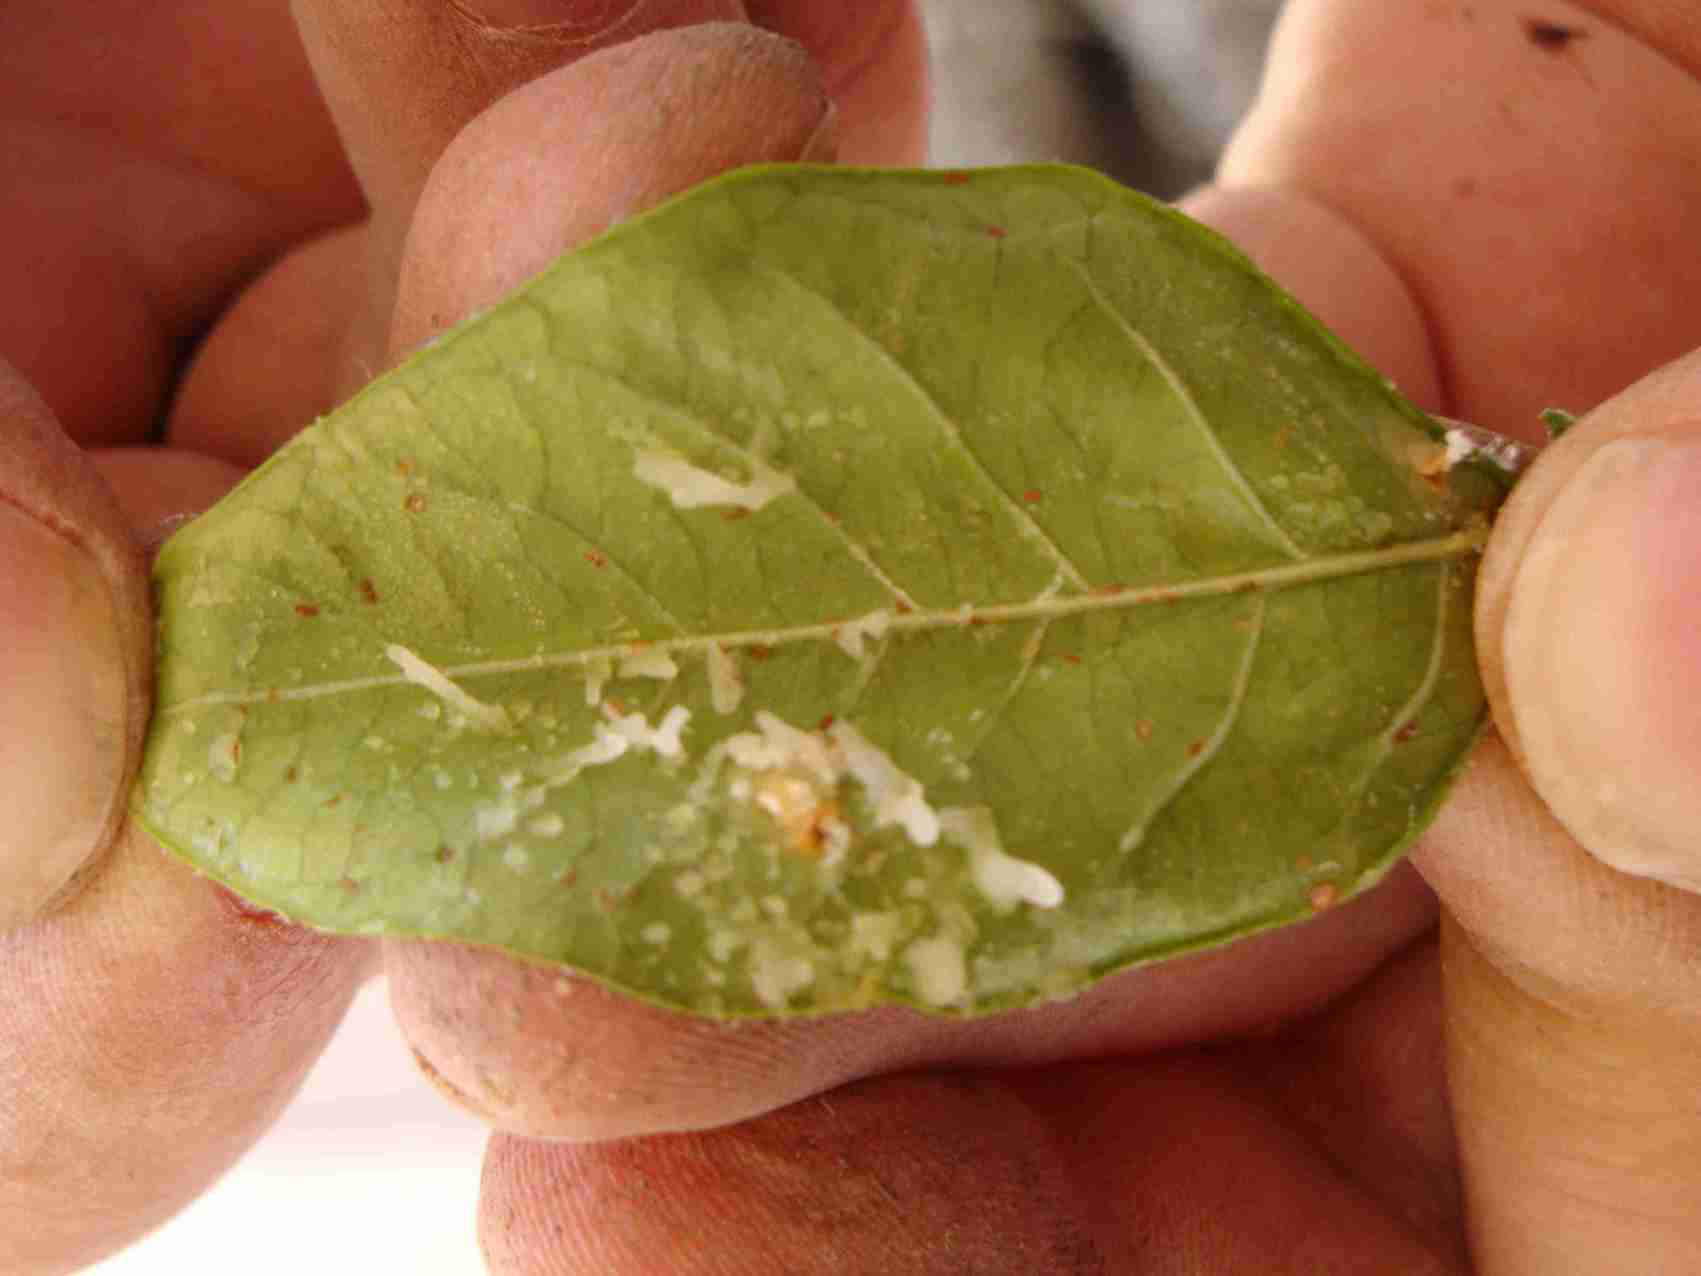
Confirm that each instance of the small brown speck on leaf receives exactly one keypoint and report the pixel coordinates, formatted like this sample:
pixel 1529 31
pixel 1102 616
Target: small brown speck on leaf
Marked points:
pixel 306 610
pixel 292 775
pixel 1033 496
pixel 253 914
pixel 1195 748
pixel 404 467
pixel 414 504
pixel 348 884
pixel 445 854
pixel 1550 36
pixel 369 592
pixel 1070 658
pixel 996 232
pixel 826 722
pixel 1322 895
pixel 760 652
pixel 956 179
pixel 596 558
pixel 1405 733
pixel 733 515
pixel 1143 729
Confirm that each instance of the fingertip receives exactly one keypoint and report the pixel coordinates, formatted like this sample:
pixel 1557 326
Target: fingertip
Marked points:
pixel 527 179
pixel 1589 627
pixel 1335 272
pixel 74 622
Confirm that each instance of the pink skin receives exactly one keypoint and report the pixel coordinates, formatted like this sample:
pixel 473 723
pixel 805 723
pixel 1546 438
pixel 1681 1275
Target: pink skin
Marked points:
pixel 1472 241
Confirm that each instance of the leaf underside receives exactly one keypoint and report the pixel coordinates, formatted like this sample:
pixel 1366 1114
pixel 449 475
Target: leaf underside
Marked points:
pixel 835 587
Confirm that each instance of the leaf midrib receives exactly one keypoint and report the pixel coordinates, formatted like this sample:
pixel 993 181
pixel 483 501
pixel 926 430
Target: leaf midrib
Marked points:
pixel 1460 544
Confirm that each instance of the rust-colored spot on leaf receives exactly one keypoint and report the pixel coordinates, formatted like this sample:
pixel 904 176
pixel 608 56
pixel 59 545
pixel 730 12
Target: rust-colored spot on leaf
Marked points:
pixel 306 610
pixel 1143 730
pixel 827 720
pixel 1405 733
pixel 291 775
pixel 596 558
pixel 734 514
pixel 1033 496
pixel 368 592
pixel 349 885
pixel 1070 658
pixel 414 503
pixel 252 914
pixel 1550 36
pixel 445 854
pixel 1322 895
pixel 996 232
pixel 404 467
pixel 955 178
pixel 1195 748
pixel 759 652
pixel 331 803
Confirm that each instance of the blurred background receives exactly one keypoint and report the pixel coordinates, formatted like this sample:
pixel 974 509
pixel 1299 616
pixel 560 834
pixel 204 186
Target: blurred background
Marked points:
pixel 370 1170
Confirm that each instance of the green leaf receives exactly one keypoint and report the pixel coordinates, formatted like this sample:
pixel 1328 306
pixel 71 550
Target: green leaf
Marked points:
pixel 835 587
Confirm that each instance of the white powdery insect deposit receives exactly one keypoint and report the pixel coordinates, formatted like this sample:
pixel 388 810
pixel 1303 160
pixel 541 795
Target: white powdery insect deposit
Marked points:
pixel 689 487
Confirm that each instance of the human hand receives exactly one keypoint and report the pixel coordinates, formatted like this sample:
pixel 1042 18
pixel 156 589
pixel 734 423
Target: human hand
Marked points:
pixel 1275 1106
pixel 156 162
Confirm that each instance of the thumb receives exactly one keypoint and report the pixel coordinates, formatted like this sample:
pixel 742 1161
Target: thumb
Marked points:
pixel 1571 965
pixel 73 678
pixel 1590 628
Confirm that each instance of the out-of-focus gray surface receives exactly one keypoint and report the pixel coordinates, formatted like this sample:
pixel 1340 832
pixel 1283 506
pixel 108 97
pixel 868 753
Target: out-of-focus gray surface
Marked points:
pixel 1147 90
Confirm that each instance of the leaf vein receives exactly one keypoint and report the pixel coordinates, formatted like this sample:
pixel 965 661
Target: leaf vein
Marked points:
pixel 1282 576
pixel 1024 520
pixel 1136 832
pixel 1152 355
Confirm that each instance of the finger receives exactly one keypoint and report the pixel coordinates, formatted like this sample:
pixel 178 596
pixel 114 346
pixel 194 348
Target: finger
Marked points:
pixel 1591 627
pixel 1117 1166
pixel 873 56
pixel 1574 958
pixel 74 684
pixel 536 1051
pixel 133 197
pixel 403 77
pixel 673 109
pixel 152 1030
pixel 1335 272
pixel 1528 174
pixel 278 357
pixel 151 1027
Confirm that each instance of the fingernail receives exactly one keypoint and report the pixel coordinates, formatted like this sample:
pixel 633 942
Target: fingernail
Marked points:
pixel 1603 656
pixel 62 713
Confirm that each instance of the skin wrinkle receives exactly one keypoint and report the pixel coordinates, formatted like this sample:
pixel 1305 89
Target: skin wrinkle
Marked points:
pixel 565 32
